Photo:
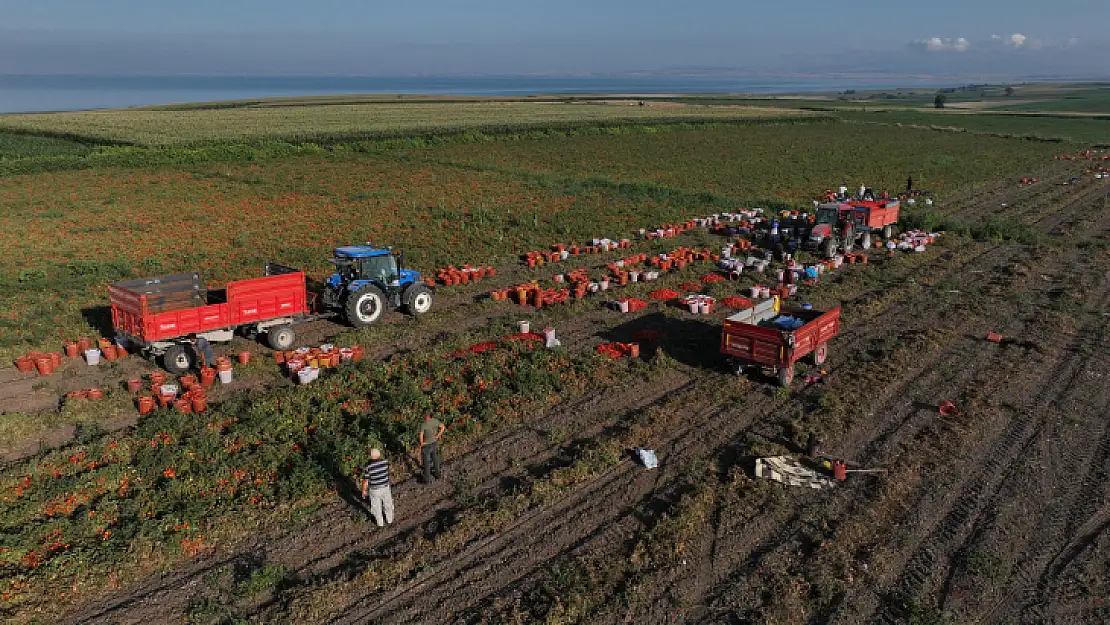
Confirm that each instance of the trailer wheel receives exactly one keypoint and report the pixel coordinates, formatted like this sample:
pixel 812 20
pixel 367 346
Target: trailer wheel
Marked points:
pixel 739 368
pixel 178 360
pixel 418 299
pixel 887 231
pixel 821 354
pixel 786 376
pixel 281 338
pixel 865 242
pixel 365 306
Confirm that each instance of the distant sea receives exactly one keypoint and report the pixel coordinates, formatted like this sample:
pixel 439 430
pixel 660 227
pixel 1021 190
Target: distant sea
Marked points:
pixel 68 93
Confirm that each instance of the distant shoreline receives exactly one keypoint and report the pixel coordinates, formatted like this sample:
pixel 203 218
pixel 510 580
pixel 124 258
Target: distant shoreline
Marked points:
pixel 56 93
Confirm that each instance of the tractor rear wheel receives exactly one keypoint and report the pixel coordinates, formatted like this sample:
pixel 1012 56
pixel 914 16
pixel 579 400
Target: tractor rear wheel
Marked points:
pixel 178 360
pixel 365 306
pixel 281 338
pixel 830 248
pixel 417 299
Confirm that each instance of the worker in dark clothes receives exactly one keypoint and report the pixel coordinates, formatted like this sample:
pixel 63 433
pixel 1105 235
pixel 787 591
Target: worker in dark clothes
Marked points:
pixel 909 184
pixel 203 350
pixel 788 273
pixel 430 434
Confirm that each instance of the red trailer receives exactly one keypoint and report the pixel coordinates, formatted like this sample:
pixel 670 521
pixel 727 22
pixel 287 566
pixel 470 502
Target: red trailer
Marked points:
pixel 876 215
pixel 159 315
pixel 776 336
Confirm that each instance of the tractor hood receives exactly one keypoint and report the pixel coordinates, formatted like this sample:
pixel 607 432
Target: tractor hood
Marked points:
pixel 820 231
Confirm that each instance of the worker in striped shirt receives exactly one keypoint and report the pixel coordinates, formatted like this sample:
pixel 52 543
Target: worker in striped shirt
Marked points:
pixel 375 488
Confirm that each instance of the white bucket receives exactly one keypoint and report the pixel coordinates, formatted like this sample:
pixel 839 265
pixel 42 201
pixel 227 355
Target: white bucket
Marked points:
pixel 634 276
pixel 169 389
pixel 525 327
pixel 558 277
pixel 306 375
pixel 549 334
pixel 623 305
pixel 346 353
pixel 756 290
pixel 226 376
pixel 563 255
pixel 605 285
pixel 780 275
pixel 703 308
pixel 693 307
pixel 764 291
pixel 92 356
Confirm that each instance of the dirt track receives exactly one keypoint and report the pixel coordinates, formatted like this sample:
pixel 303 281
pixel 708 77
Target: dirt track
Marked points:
pixel 995 516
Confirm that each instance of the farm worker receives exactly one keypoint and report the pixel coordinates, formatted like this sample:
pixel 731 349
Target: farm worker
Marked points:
pixel 885 195
pixel 430 434
pixel 375 488
pixel 843 191
pixel 862 190
pixel 203 351
pixel 909 184
pixel 788 275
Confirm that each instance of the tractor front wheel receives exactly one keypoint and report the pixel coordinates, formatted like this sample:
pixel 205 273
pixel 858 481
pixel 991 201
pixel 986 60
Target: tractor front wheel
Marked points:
pixel 365 306
pixel 418 299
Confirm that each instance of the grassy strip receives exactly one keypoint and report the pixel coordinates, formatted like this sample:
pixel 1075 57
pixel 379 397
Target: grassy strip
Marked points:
pixel 1045 128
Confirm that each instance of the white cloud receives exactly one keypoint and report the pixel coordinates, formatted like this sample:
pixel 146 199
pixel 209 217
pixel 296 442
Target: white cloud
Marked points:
pixel 938 44
pixel 1017 40
pixel 1071 43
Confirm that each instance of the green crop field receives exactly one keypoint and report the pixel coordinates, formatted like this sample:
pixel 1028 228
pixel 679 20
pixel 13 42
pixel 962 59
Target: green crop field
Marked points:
pixel 765 163
pixel 1079 129
pixel 330 122
pixel 17 145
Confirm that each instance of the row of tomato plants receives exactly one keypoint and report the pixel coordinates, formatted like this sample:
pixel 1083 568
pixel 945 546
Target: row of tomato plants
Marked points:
pixel 177 474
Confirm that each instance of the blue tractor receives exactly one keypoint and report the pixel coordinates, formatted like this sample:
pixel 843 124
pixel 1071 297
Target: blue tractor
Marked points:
pixel 369 281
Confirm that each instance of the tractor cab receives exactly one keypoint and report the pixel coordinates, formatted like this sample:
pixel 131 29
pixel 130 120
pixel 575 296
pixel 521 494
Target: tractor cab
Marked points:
pixel 367 263
pixel 370 280
pixel 827 215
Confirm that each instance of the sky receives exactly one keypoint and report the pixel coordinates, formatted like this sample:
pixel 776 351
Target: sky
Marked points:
pixel 445 37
